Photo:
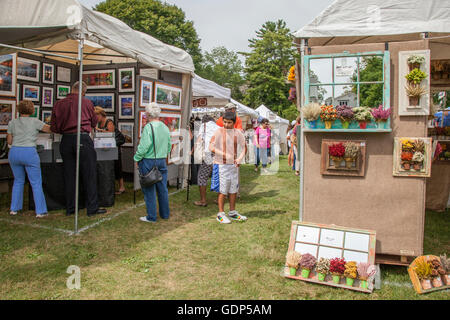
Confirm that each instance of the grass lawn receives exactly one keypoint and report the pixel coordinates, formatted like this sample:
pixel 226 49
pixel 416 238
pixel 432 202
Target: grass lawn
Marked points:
pixel 190 256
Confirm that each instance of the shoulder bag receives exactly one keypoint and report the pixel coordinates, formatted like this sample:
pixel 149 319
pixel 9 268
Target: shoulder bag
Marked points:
pixel 154 175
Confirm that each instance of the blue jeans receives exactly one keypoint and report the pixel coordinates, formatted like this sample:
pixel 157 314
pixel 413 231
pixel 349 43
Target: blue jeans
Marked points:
pixel 261 156
pixel 145 165
pixel 21 160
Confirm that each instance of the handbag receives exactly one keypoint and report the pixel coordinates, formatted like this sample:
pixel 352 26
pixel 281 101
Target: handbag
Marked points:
pixel 154 175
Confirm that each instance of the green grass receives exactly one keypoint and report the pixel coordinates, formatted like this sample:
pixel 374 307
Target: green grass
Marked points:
pixel 190 256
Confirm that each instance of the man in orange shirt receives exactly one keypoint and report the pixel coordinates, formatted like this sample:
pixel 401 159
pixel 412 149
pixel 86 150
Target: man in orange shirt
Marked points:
pixel 231 107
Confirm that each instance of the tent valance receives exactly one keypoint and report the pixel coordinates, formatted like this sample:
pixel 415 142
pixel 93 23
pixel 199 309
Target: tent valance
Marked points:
pixel 265 112
pixel 207 88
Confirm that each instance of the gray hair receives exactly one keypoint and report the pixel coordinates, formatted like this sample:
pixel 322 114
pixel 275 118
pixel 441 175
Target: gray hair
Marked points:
pixel 153 110
pixel 230 106
pixel 76 87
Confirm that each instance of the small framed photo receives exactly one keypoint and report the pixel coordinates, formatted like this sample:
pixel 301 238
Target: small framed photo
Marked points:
pixel 175 153
pixel 47 97
pixel 172 121
pixel 31 92
pixel 146 93
pixel 46 116
pixel 63 74
pixel 126 107
pixel 7 113
pixel 142 122
pixel 103 100
pixel 127 129
pixel 126 77
pixel 28 69
pixel 100 79
pixel 36 113
pixel 4 150
pixel 168 96
pixel 8 74
pixel 48 73
pixel 62 91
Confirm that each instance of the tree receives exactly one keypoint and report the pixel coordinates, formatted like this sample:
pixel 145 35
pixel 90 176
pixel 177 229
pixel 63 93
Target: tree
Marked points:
pixel 224 68
pixel 267 66
pixel 162 21
pixel 371 69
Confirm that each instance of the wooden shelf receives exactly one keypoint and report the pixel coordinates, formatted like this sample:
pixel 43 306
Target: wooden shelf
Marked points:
pixel 350 130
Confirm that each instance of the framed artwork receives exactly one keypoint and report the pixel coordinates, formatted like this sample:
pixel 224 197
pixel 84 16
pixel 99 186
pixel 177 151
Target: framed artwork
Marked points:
pixel 8 74
pixel 31 92
pixel 46 116
pixel 103 100
pixel 126 77
pixel 100 79
pixel 48 73
pixel 28 69
pixel 63 74
pixel 412 157
pixel 126 107
pixel 168 96
pixel 4 150
pixel 62 91
pixel 36 113
pixel 47 97
pixel 343 157
pixel 175 153
pixel 127 129
pixel 142 122
pixel 7 113
pixel 146 93
pixel 444 155
pixel 172 121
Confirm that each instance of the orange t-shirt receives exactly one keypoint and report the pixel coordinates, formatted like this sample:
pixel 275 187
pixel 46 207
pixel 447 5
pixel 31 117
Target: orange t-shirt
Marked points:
pixel 237 125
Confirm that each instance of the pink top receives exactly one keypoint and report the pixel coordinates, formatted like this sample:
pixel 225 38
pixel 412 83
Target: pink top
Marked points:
pixel 264 137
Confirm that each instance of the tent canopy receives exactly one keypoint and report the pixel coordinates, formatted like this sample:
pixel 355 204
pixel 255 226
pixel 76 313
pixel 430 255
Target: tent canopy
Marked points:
pixel 372 21
pixel 243 110
pixel 207 88
pixel 56 25
pixel 265 112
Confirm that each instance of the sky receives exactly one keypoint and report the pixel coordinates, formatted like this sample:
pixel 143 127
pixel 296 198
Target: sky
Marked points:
pixel 231 23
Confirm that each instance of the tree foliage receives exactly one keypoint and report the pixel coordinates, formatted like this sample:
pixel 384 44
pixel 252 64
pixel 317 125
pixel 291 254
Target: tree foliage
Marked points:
pixel 371 69
pixel 162 21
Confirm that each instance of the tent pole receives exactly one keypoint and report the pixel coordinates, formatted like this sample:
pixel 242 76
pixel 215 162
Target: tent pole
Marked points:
pixel 80 98
pixel 302 134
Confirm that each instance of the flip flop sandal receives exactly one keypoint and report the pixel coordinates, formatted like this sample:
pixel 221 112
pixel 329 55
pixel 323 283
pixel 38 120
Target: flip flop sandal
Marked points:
pixel 120 192
pixel 199 204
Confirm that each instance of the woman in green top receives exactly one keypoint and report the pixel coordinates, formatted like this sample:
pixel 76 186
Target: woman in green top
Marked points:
pixel 149 155
pixel 23 157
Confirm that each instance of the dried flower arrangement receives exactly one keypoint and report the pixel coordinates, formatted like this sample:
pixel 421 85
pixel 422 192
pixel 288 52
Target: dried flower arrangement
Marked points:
pixel 362 114
pixel 423 271
pixel 407 145
pixel 416 76
pixel 415 61
pixel 322 268
pixel 365 271
pixel 414 92
pixel 311 112
pixel 418 145
pixel 381 114
pixel 407 156
pixel 413 152
pixel 351 150
pixel 445 262
pixel 345 113
pixel 417 159
pixel 350 272
pixel 328 114
pixel 337 268
pixel 307 263
pixel 337 153
pixel 292 260
pixel 436 272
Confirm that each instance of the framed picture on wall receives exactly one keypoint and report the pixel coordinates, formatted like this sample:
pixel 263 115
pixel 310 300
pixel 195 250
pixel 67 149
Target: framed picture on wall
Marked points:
pixel 31 92
pixel 8 73
pixel 47 97
pixel 46 116
pixel 172 121
pixel 146 93
pixel 28 69
pixel 127 129
pixel 48 73
pixel 4 150
pixel 62 91
pixel 126 78
pixel 412 157
pixel 168 96
pixel 142 122
pixel 103 100
pixel 126 107
pixel 63 74
pixel 36 113
pixel 175 153
pixel 7 113
pixel 100 79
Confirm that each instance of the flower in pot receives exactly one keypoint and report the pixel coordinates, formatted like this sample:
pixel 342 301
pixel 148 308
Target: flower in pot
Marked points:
pixel 417 160
pixel 362 115
pixel 322 268
pixel 445 262
pixel 416 76
pixel 345 113
pixel 328 115
pixel 337 153
pixel 351 272
pixel 365 271
pixel 436 272
pixel 311 112
pixel 423 271
pixel 436 69
pixel 337 268
pixel 292 94
pixel 292 260
pixel 414 92
pixel 351 153
pixel 291 75
pixel 307 263
pixel 406 157
pixel 381 116
pixel 407 145
pixel 415 61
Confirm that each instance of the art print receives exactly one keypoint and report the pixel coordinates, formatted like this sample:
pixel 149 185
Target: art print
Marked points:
pixel 8 75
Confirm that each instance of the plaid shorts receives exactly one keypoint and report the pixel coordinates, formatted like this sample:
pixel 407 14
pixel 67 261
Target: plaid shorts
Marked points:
pixel 204 173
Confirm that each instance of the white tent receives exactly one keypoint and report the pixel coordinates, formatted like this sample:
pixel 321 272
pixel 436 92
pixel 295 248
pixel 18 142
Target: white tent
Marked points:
pixel 370 21
pixel 278 123
pixel 207 88
pixel 243 110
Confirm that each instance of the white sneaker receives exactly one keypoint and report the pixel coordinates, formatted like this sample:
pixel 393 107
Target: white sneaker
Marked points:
pixel 13 213
pixel 145 220
pixel 41 215
pixel 234 215
pixel 222 218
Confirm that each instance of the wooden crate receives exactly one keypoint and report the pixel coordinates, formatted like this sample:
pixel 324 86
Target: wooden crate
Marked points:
pixel 415 279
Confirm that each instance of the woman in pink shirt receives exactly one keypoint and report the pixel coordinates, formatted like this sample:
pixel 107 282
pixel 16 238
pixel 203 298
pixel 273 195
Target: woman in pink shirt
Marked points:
pixel 262 144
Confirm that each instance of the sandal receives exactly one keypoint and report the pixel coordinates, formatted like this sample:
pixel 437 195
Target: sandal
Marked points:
pixel 120 192
pixel 200 204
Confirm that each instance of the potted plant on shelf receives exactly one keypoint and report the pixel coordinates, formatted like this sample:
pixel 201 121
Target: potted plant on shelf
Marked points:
pixel 328 115
pixel 337 269
pixel 350 272
pixel 365 271
pixel 423 271
pixel 307 263
pixel 381 116
pixel 345 113
pixel 436 69
pixel 322 268
pixel 337 153
pixel 351 153
pixel 445 262
pixel 292 260
pixel 362 115
pixel 311 112
pixel 436 272
pixel 414 92
pixel 415 61
pixel 416 76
